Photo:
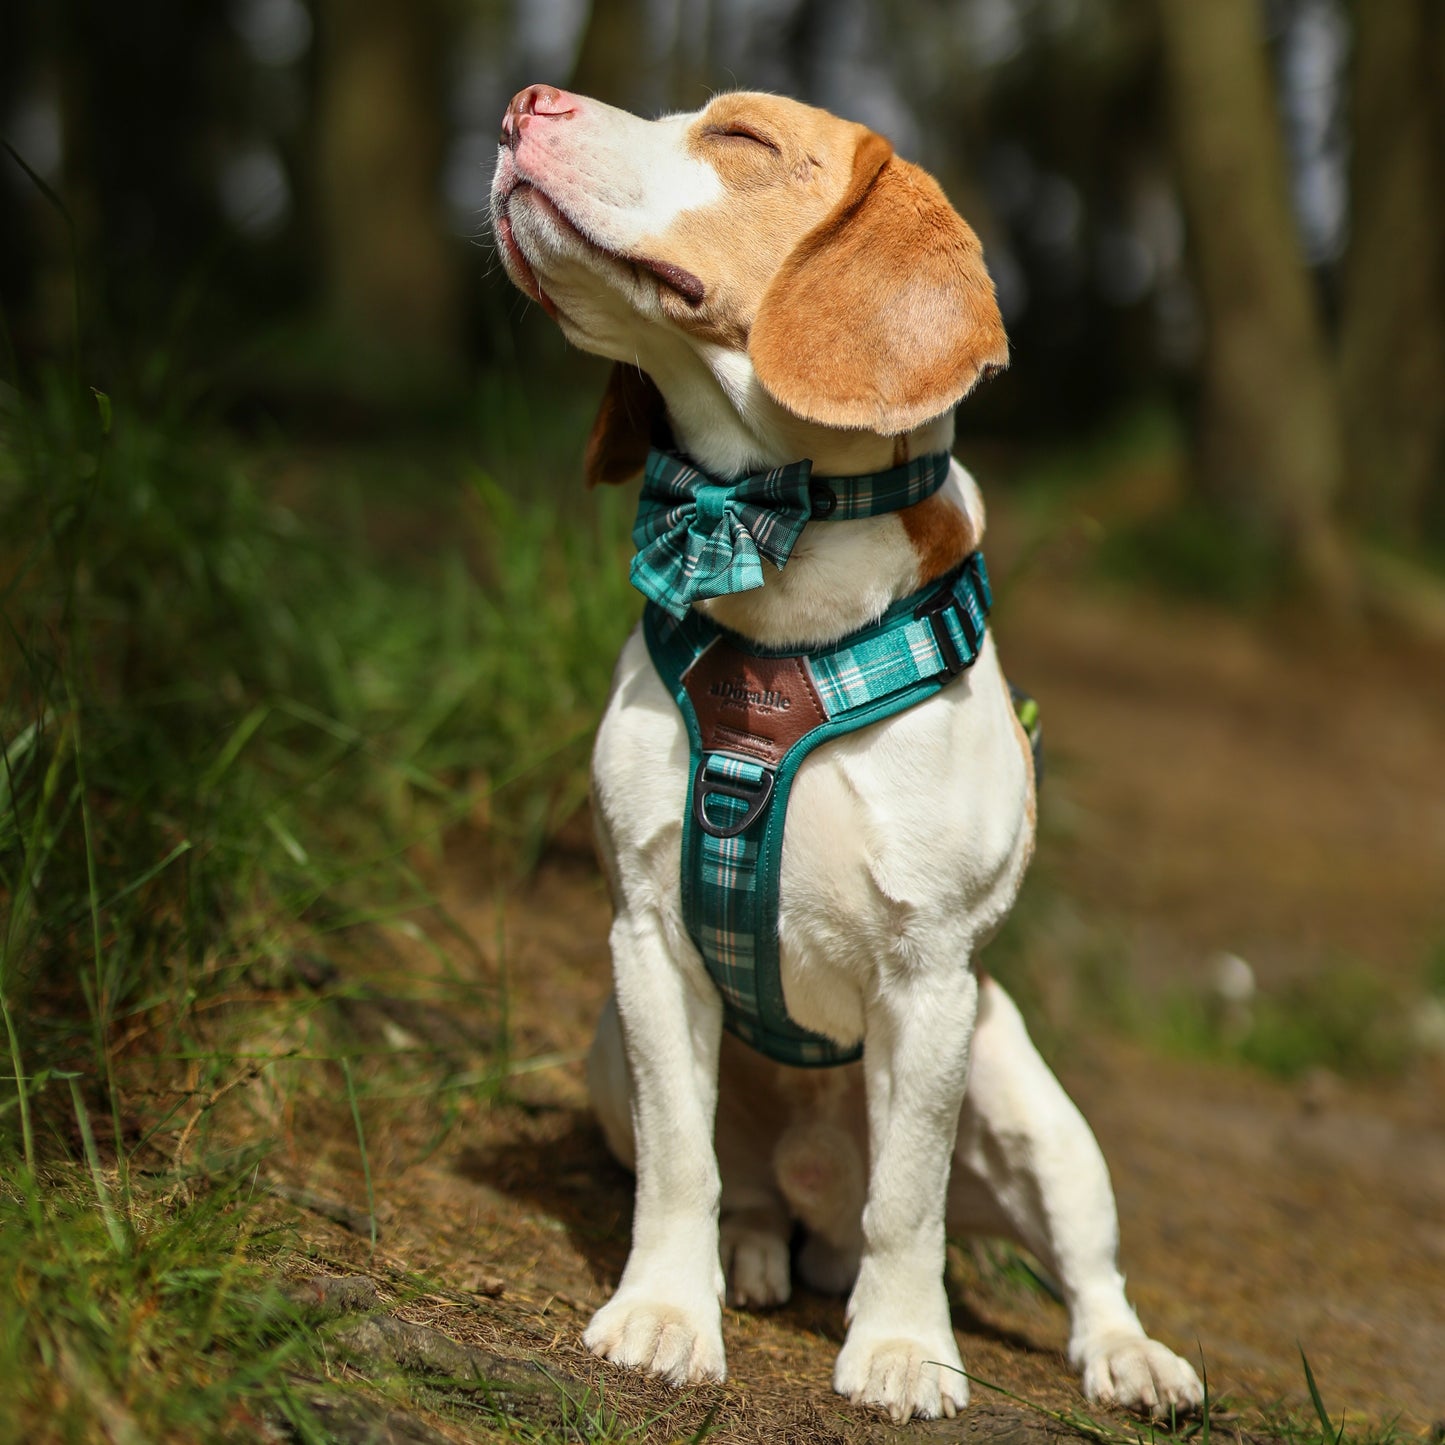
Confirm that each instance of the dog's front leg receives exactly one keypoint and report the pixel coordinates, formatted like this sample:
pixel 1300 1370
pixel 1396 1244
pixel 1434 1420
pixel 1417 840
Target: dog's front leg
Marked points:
pixel 900 1353
pixel 1027 1167
pixel 666 1316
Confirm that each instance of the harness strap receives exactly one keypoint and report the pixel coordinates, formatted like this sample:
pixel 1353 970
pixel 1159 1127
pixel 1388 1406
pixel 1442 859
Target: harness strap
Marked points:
pixel 753 715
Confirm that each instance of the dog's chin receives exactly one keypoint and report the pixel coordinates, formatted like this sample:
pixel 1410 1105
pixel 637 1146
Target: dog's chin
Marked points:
pixel 554 262
pixel 516 264
pixel 551 240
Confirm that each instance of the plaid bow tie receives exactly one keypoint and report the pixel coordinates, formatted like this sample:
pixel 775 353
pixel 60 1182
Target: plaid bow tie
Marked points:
pixel 700 537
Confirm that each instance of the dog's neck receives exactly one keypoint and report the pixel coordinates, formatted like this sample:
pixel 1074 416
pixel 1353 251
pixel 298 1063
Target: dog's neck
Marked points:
pixel 842 575
pixel 729 425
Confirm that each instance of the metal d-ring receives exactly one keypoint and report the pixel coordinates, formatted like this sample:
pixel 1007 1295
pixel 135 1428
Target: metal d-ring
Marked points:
pixel 756 797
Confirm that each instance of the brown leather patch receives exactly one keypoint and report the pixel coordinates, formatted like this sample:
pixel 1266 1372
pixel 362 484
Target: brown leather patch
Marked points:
pixel 756 706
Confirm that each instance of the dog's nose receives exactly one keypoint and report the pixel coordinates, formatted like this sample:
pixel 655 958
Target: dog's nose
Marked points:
pixel 528 104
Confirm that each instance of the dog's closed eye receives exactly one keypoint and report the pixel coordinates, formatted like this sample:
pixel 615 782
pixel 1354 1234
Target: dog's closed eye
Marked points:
pixel 736 132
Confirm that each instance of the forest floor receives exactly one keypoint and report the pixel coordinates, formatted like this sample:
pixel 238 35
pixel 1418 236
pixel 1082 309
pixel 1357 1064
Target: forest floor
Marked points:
pixel 1214 786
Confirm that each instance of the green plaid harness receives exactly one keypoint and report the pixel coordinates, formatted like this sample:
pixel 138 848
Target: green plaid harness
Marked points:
pixel 764 712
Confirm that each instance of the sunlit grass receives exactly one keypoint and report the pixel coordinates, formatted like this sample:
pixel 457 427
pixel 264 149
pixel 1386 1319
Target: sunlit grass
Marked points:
pixel 1344 1020
pixel 235 731
pixel 138 1322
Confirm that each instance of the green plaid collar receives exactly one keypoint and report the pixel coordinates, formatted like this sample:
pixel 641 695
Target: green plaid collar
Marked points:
pixel 699 536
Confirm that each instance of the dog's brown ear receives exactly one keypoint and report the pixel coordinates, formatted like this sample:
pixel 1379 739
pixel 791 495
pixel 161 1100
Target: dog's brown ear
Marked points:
pixel 631 420
pixel 884 316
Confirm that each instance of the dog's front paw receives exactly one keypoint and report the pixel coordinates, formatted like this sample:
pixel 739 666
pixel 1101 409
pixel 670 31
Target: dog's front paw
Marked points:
pixel 681 1343
pixel 1140 1374
pixel 905 1377
pixel 755 1261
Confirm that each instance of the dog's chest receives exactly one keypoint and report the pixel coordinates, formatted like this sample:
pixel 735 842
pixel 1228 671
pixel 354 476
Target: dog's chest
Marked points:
pixel 904 845
pixel 909 839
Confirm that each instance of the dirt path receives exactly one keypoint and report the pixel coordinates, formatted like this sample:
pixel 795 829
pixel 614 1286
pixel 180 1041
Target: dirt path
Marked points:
pixel 1213 789
pixel 1256 1216
pixel 1278 794
pixel 1282 797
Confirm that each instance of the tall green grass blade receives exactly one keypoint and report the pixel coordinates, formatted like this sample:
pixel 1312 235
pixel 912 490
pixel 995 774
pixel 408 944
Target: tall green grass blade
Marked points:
pixel 104 1003
pixel 59 206
pixel 1331 1435
pixel 1205 1422
pixel 242 734
pixel 705 1428
pixel 22 1086
pixel 103 407
pixel 113 1225
pixel 154 871
pixel 361 1144
pixel 287 840
pixel 233 733
pixel 16 756
pixel 33 853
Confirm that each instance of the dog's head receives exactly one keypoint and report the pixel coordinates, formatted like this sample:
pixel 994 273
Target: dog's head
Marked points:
pixel 773 268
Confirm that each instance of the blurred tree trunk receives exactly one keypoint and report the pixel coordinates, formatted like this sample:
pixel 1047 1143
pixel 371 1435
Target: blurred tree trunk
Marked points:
pixel 140 111
pixel 1271 446
pixel 389 264
pixel 1392 338
pixel 613 58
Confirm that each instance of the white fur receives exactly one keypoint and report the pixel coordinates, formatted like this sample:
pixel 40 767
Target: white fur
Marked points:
pixel 905 846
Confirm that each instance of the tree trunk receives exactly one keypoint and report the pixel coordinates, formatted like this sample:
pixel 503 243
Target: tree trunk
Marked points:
pixel 614 61
pixel 1392 337
pixel 389 263
pixel 1271 450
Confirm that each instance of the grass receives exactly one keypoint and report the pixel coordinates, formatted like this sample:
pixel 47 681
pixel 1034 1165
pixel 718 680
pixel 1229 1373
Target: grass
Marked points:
pixel 1342 1016
pixel 1190 551
pixel 587 1417
pixel 234 732
pixel 1124 500
pixel 1344 1019
pixel 1218 1417
pixel 132 1323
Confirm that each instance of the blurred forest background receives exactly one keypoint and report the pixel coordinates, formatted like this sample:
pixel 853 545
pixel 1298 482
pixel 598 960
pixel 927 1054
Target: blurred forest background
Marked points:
pixel 1233 209
pixel 305 623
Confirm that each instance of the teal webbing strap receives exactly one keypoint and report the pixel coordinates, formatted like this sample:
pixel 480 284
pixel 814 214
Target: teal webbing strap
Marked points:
pixel 736 806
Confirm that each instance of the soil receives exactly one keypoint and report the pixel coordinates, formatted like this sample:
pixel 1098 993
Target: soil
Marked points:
pixel 1215 784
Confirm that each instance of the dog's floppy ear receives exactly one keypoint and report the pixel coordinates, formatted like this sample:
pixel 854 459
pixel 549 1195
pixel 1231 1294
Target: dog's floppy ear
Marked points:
pixel 630 422
pixel 884 316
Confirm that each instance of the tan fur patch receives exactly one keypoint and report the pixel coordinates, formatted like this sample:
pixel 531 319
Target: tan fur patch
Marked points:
pixel 941 534
pixel 785 166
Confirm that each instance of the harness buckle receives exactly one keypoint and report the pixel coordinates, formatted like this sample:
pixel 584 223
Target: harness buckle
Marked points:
pixel 756 797
pixel 935 608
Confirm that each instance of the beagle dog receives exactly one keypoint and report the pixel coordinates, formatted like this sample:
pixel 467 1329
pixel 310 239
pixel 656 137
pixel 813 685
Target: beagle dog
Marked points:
pixel 773 283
